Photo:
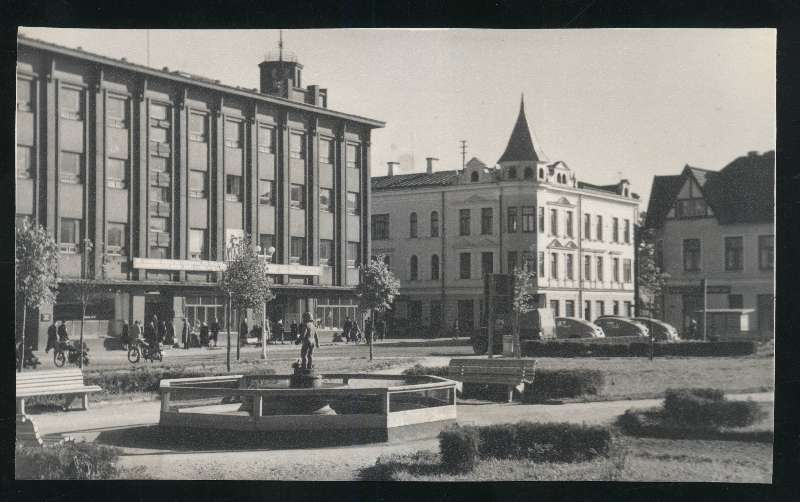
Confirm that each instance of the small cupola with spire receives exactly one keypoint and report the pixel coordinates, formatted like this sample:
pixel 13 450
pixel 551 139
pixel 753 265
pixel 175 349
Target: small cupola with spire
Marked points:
pixel 282 75
pixel 522 157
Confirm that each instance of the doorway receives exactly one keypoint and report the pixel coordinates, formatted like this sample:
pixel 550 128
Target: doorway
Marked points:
pixel 766 312
pixel 466 315
pixel 691 304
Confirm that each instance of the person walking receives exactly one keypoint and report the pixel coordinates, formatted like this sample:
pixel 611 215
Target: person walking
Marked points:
pixel 692 329
pixel 243 332
pixel 348 329
pixel 170 336
pixel 380 329
pixel 63 336
pixel 126 335
pixel 162 332
pixel 136 334
pixel 204 335
pixel 309 340
pixel 280 329
pixel 52 337
pixel 368 332
pixel 214 331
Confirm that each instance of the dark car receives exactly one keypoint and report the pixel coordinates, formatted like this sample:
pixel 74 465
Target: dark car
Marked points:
pixel 662 331
pixel 571 327
pixel 622 326
pixel 538 324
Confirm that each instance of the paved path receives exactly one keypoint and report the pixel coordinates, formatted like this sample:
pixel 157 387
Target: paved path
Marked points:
pixel 333 463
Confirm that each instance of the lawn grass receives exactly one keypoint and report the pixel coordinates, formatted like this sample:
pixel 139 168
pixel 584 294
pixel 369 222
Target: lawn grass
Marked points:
pixel 631 459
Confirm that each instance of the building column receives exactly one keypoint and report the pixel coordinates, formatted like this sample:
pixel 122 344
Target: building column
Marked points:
pixel 218 210
pixel 182 175
pixel 251 174
pixel 282 175
pixel 312 206
pixel 139 188
pixel 340 221
pixel 97 193
pixel 366 199
pixel 50 202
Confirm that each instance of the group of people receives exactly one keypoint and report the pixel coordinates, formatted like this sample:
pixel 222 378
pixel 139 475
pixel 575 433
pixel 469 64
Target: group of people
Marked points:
pixel 352 331
pixel 153 332
pixel 56 333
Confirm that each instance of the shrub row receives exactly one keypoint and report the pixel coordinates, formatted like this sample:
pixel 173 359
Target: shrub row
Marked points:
pixel 418 369
pixel 536 348
pixel 66 461
pixel 147 379
pixel 708 408
pixel 462 447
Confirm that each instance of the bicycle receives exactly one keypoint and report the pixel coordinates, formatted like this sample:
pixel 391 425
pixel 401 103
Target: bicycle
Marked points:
pixel 140 349
pixel 68 352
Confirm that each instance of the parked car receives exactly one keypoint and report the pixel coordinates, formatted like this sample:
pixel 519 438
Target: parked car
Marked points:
pixel 622 326
pixel 662 331
pixel 538 324
pixel 572 327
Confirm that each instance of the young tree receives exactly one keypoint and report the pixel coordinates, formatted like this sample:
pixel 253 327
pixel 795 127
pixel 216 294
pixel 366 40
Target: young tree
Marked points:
pixel 245 280
pixel 522 302
pixel 651 281
pixel 36 271
pixel 376 290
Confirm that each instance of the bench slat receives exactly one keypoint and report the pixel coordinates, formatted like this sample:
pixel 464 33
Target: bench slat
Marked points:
pixel 48 374
pixel 76 390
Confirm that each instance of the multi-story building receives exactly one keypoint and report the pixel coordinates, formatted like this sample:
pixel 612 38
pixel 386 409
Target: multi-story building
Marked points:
pixel 441 231
pixel 160 169
pixel 718 226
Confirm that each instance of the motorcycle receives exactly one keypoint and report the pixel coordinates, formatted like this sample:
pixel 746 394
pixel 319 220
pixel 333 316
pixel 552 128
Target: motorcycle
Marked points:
pixel 68 352
pixel 141 349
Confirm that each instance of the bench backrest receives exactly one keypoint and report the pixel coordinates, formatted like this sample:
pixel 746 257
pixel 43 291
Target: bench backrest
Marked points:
pixel 516 369
pixel 49 380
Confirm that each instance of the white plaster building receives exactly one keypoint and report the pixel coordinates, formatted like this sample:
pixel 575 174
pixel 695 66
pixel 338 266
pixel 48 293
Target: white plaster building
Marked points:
pixel 441 231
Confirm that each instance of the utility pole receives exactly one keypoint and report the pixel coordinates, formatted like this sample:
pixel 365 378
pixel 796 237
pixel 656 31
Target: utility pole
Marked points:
pixel 463 153
pixel 704 287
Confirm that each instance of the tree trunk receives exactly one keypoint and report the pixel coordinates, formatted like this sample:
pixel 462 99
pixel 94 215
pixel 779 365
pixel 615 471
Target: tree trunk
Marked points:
pixel 238 334
pixel 517 345
pixel 264 332
pixel 80 349
pixel 228 325
pixel 372 335
pixel 24 319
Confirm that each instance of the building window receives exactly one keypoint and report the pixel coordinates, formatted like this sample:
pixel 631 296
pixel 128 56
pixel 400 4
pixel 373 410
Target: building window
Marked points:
pixel 70 167
pixel 587 226
pixel 766 252
pixel 615 230
pixel 266 241
pixel 487 263
pixel 512 173
pixel 465 265
pixel 541 263
pixel 512 261
pixel 541 173
pixel 297 196
pixel 554 307
pixel 627 270
pixel 733 253
pixel 412 225
pixel 569 224
pixel 513 220
pixel 24 162
pixel 569 308
pixel 601 308
pixel 197 184
pixel 116 173
pixel 629 309
pixel 326 151
pixel 599 228
pixel 266 140
pixel 353 157
pixel 690 208
pixel 265 193
pixel 233 134
pixel 297 146
pixel 158 224
pixel 158 111
pixel 735 302
pixel 587 268
pixel 528 173
pixel 615 270
pixel 553 222
pixel 70 235
pixel 434 224
pixel 627 231
pixel 463 221
pixel 554 265
pixel 326 200
pixel 587 310
pixel 691 255
pixel 569 265
pixel 198 128
pixel 380 226
pixel 435 267
pixel 487 222
pixel 353 203
pixel 233 188
pixel 70 103
pixel 413 268
pixel 24 94
pixel 615 308
pixel 528 219
pixel 116 239
pixel 599 271
pixel 197 244
pixel 529 261
pixel 473 177
pixel 541 220
pixel 297 250
pixel 325 252
pixel 353 256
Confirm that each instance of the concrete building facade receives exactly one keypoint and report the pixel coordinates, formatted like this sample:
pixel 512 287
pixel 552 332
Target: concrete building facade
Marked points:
pixel 718 226
pixel 160 169
pixel 441 231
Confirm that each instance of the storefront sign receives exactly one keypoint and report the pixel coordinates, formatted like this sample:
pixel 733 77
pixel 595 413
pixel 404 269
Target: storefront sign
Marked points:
pixel 696 290
pixel 219 266
pixel 45 317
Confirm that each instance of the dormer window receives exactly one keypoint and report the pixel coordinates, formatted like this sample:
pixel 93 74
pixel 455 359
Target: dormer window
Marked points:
pixel 528 173
pixel 625 191
pixel 473 177
pixel 690 208
pixel 541 173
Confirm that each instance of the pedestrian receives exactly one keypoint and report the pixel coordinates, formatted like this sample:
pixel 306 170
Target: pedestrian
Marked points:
pixel 214 331
pixel 293 329
pixel 348 329
pixel 170 334
pixel 63 336
pixel 692 329
pixel 150 334
pixel 280 329
pixel 162 332
pixel 52 337
pixel 355 333
pixel 126 335
pixel 185 337
pixel 309 340
pixel 243 332
pixel 203 332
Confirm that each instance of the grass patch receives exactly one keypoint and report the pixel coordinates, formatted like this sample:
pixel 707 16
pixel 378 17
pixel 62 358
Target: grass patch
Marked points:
pixel 71 460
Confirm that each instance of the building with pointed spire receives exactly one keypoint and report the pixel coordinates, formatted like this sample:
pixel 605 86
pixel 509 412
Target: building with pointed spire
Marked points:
pixel 442 230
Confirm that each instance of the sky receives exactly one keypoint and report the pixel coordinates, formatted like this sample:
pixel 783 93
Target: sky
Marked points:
pixel 611 104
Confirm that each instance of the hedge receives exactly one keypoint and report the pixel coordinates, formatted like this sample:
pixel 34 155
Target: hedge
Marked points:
pixel 708 408
pixel 66 461
pixel 461 447
pixel 147 379
pixel 418 369
pixel 536 348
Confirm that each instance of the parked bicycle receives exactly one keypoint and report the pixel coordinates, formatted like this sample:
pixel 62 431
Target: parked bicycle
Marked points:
pixel 68 352
pixel 140 349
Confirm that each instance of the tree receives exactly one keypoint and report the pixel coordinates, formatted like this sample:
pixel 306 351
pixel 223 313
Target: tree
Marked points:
pixel 245 280
pixel 36 271
pixel 376 290
pixel 522 302
pixel 651 281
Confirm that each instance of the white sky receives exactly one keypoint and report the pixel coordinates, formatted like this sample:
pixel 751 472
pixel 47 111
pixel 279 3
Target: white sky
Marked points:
pixel 609 103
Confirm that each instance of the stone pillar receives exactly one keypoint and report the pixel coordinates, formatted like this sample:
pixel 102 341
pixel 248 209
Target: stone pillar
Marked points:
pixel 96 194
pixel 137 308
pixel 312 207
pixel 139 189
pixel 181 176
pixel 50 220
pixel 217 202
pixel 340 219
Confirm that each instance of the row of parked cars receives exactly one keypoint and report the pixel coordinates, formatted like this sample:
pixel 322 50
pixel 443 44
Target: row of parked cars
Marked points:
pixel 608 326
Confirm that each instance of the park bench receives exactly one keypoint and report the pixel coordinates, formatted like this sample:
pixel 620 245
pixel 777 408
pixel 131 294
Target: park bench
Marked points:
pixel 513 373
pixel 67 383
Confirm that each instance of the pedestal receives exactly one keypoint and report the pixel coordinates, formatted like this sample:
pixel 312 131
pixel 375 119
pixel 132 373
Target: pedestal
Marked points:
pixel 309 379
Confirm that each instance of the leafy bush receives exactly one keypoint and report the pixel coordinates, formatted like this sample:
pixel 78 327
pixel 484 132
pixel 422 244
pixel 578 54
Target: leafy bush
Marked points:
pixel 418 369
pixel 562 442
pixel 561 383
pixel 536 348
pixel 147 379
pixel 459 448
pixel 708 408
pixel 497 441
pixel 66 461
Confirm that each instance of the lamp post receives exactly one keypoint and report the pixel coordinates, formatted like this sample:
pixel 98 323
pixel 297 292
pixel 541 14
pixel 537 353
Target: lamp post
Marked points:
pixel 269 253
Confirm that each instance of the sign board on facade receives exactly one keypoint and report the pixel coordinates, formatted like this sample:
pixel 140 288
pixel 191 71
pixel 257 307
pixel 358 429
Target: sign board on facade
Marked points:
pixel 697 290
pixel 45 317
pixel 219 266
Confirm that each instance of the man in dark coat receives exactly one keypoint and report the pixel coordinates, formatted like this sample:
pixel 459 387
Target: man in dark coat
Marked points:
pixel 170 333
pixel 308 340
pixel 204 335
pixel 63 336
pixel 214 331
pixel 126 335
pixel 162 331
pixel 52 337
pixel 348 329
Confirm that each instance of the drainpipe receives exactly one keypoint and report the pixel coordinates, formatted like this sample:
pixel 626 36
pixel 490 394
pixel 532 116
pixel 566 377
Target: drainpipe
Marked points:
pixel 442 261
pixel 579 217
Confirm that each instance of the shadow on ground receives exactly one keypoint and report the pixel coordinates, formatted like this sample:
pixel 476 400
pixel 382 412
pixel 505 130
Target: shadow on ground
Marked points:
pixel 158 438
pixel 421 463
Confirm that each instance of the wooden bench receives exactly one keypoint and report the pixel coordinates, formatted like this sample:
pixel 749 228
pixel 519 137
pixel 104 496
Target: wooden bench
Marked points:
pixel 67 383
pixel 513 373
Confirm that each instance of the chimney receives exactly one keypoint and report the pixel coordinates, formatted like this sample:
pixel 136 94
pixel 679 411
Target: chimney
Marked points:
pixel 752 153
pixel 391 167
pixel 431 161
